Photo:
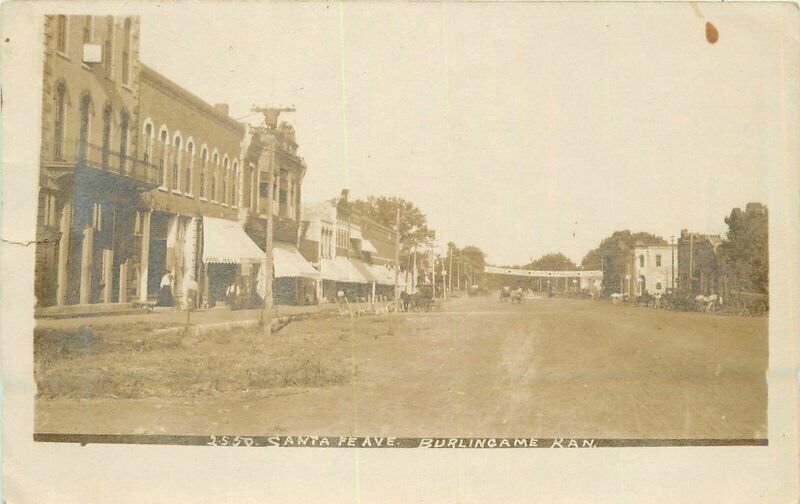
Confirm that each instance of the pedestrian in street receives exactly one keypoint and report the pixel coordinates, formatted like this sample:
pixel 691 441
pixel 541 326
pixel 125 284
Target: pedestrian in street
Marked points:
pixel 406 299
pixel 165 297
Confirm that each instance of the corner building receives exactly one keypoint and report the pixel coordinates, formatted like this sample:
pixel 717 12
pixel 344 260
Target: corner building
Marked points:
pixel 139 177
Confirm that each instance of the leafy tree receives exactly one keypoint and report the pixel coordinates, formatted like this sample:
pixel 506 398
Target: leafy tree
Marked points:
pixel 414 230
pixel 344 207
pixel 745 253
pixel 473 259
pixel 613 256
pixel 552 262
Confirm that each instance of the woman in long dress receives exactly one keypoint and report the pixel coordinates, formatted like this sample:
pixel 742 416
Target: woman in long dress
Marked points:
pixel 165 294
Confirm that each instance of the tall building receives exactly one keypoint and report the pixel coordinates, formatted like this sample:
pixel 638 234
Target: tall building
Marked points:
pixel 91 177
pixel 140 178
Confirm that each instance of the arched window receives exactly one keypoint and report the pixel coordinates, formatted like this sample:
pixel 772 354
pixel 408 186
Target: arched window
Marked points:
pixel 108 48
pixel 107 116
pixel 253 188
pixel 124 124
pixel 61 33
pixel 226 174
pixel 60 121
pixel 214 167
pixel 162 163
pixel 83 138
pixel 235 198
pixel 203 168
pixel 148 143
pixel 126 53
pixel 188 178
pixel 176 162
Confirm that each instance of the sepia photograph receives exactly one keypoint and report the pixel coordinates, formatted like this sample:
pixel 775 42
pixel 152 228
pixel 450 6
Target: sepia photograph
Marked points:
pixel 469 227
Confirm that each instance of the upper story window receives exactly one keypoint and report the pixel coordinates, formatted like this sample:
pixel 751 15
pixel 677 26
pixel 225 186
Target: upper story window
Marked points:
pixel 126 53
pixel 124 124
pixel 214 166
pixel 641 261
pixel 87 30
pixel 176 162
pixel 60 121
pixel 108 52
pixel 148 143
pixel 61 33
pixel 107 116
pixel 658 261
pixel 162 172
pixel 225 176
pixel 86 110
pixel 187 179
pixel 203 167
pixel 235 197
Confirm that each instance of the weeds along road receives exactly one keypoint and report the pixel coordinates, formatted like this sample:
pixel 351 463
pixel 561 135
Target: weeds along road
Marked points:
pixel 546 368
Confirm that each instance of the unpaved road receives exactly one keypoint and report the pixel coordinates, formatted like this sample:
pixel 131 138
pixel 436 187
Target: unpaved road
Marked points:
pixel 547 368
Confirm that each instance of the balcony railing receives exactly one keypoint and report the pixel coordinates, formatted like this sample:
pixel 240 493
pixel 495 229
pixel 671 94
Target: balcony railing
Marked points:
pixel 101 158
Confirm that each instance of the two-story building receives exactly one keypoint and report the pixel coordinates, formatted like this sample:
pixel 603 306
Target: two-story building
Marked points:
pixel 353 254
pixel 141 178
pixel 655 268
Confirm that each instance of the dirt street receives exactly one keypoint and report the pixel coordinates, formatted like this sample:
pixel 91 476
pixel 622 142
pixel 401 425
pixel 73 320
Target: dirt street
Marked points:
pixel 546 368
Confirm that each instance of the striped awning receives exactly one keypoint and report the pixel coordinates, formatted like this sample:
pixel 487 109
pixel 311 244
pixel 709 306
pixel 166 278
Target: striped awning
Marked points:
pixel 288 262
pixel 341 269
pixel 225 241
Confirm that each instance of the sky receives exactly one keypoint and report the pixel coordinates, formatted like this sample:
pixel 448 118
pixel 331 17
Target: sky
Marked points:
pixel 522 128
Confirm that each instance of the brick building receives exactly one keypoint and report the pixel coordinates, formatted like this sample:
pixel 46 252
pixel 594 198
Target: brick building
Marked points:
pixel 354 254
pixel 90 175
pixel 139 177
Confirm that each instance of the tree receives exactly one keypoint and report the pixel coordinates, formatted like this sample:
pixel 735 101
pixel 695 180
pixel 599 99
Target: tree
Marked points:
pixel 472 259
pixel 613 256
pixel 414 232
pixel 552 262
pixel 745 254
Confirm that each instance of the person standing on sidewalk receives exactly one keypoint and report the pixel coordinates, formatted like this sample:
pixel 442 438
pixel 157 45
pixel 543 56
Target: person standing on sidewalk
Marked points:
pixel 165 297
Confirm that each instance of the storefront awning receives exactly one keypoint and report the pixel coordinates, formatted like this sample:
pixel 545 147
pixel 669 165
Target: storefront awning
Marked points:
pixel 355 233
pixel 225 241
pixel 365 270
pixel 341 269
pixel 367 246
pixel 386 275
pixel 288 262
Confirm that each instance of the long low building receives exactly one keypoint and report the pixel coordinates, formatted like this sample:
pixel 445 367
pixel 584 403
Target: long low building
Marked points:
pixel 354 256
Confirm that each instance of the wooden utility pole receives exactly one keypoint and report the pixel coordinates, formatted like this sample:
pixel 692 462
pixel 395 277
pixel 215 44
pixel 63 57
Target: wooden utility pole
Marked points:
pixel 450 273
pixel 433 271
pixel 266 135
pixel 397 261
pixel 268 226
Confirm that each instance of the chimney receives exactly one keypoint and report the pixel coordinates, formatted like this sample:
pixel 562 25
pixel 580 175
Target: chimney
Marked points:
pixel 222 107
